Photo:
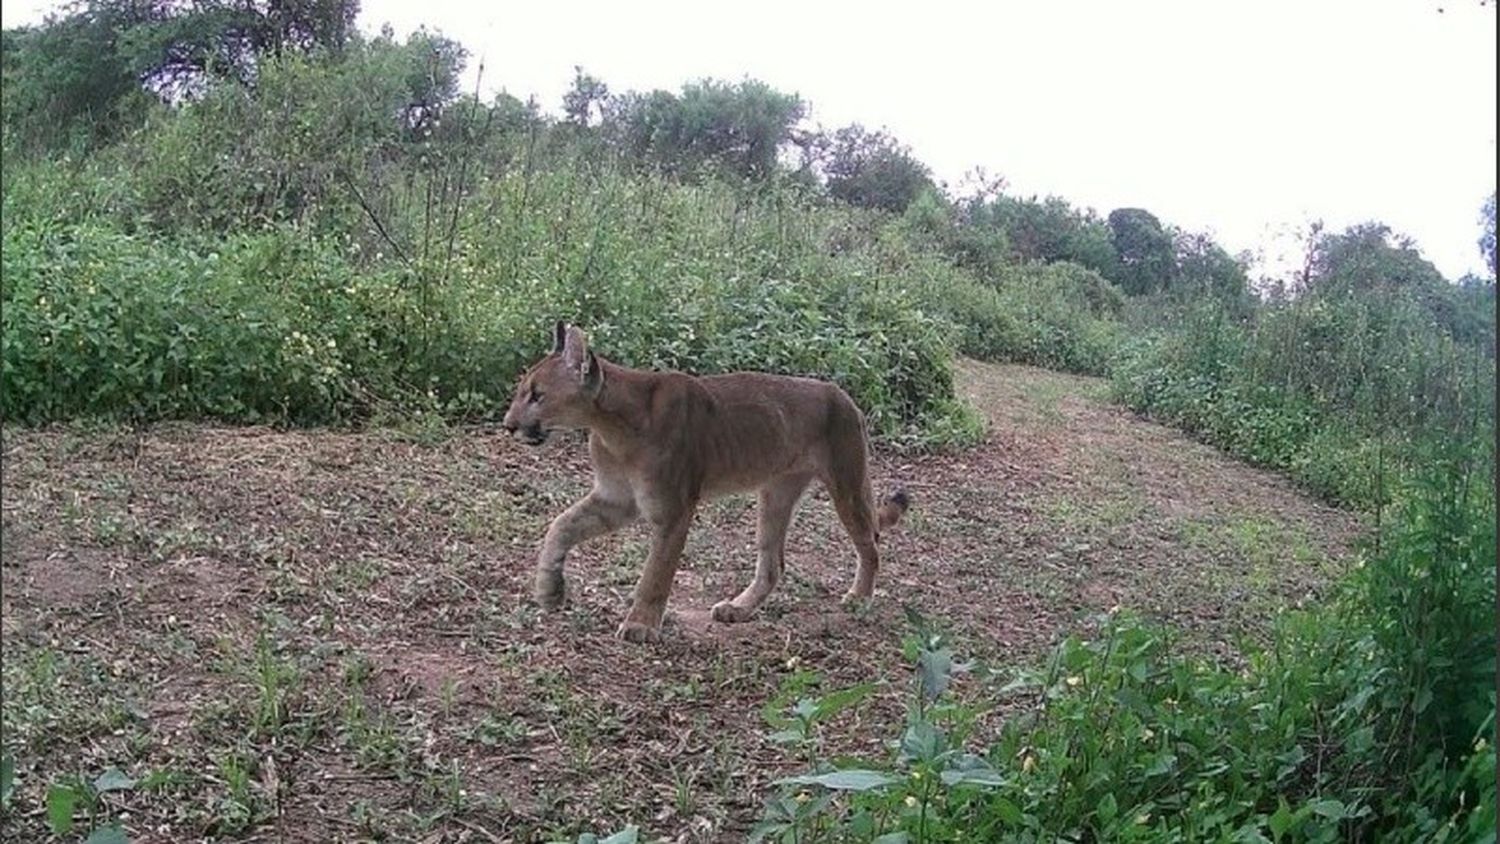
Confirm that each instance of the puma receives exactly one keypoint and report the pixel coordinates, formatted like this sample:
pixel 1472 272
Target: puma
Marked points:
pixel 663 442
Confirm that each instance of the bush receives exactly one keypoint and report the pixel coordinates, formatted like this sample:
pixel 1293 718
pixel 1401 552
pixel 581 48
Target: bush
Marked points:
pixel 280 325
pixel 1369 719
pixel 1337 392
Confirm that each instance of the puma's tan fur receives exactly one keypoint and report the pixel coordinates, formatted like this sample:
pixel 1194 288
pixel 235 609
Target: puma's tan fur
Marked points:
pixel 662 442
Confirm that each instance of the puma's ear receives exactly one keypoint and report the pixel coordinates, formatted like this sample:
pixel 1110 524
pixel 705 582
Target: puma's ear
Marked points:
pixel 593 374
pixel 559 337
pixel 575 349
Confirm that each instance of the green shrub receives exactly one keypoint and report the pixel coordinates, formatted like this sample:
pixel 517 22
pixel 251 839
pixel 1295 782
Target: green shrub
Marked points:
pixel 1370 719
pixel 281 325
pixel 1337 392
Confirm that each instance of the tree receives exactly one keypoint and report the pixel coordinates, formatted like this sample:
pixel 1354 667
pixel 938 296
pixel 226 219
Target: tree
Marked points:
pixel 588 96
pixel 1366 256
pixel 1487 233
pixel 1204 268
pixel 79 77
pixel 67 84
pixel 873 170
pixel 738 128
pixel 1145 249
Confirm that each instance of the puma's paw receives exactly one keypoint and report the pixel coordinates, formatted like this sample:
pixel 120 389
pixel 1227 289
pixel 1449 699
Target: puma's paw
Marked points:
pixel 634 631
pixel 728 613
pixel 551 589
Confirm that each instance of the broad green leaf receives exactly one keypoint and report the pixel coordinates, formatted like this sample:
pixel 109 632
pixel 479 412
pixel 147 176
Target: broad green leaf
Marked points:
pixel 922 742
pixel 862 824
pixel 1108 809
pixel 856 780
pixel 113 779
pixel 835 702
pixel 1329 808
pixel 61 800
pixel 628 835
pixel 973 776
pixel 936 669
pixel 111 834
pixel 1164 763
pixel 1021 681
pixel 1281 821
pixel 1009 812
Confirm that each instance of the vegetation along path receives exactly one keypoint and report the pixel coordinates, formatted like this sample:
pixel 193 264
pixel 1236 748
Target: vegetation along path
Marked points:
pixel 315 636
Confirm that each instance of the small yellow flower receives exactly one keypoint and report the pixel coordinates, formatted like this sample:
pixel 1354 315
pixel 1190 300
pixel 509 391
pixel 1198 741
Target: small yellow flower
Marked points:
pixel 1028 764
pixel 803 797
pixel 1143 818
pixel 1147 734
pixel 910 800
pixel 1075 680
pixel 916 775
pixel 792 662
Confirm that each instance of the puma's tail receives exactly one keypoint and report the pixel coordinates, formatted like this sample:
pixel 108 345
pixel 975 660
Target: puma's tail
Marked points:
pixel 894 507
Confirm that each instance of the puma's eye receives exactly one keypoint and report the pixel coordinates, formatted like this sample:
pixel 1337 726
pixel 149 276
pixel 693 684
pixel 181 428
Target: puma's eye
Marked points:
pixel 535 396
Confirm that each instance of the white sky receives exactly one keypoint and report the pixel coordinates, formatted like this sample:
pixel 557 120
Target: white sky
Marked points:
pixel 1244 119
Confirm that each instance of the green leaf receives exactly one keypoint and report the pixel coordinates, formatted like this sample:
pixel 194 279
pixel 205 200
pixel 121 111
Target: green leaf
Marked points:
pixel 1281 821
pixel 936 669
pixel 1165 763
pixel 922 742
pixel 111 834
pixel 1020 682
pixel 1108 809
pixel 973 776
pixel 835 702
pixel 855 780
pixel 628 835
pixel 61 800
pixel 805 709
pixel 786 736
pixel 899 837
pixel 113 779
pixel 7 778
pixel 1329 808
pixel 1009 812
pixel 862 824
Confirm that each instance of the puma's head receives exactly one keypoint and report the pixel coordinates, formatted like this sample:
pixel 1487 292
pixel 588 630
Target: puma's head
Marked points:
pixel 558 391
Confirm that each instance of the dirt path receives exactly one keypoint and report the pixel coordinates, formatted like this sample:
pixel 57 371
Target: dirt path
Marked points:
pixel 315 636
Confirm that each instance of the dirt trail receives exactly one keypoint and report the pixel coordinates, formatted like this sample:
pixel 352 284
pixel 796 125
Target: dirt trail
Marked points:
pixel 343 618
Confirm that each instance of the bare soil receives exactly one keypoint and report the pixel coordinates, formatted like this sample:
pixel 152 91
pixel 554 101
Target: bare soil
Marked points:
pixel 327 636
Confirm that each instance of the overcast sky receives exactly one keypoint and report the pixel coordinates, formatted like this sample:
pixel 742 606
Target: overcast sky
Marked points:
pixel 1244 119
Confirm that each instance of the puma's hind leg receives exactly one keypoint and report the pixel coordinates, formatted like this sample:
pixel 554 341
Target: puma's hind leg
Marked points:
pixel 778 501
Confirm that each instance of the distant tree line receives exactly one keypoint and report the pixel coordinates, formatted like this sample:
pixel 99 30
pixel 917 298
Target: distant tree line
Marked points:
pixel 89 76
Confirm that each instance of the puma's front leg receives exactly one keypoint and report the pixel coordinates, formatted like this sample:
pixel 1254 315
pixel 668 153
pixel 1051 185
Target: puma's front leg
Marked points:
pixel 593 515
pixel 643 622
